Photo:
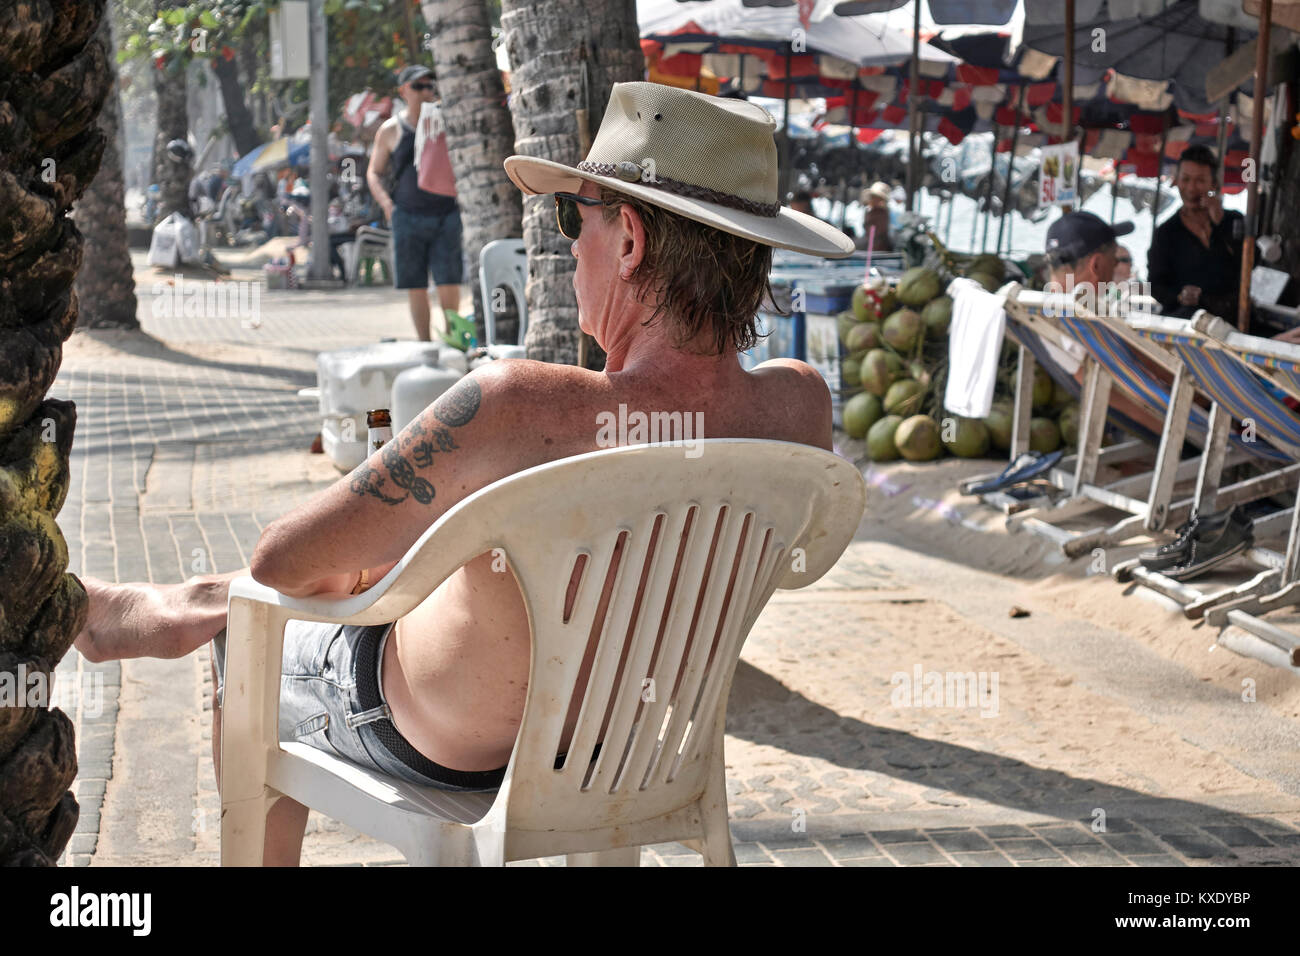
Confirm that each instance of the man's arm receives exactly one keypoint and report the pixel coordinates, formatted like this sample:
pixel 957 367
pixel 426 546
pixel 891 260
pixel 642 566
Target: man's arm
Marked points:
pixel 370 518
pixel 378 166
pixel 1160 270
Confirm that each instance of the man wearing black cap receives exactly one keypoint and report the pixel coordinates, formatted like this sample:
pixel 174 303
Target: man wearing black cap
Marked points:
pixel 1083 249
pixel 1082 252
pixel 426 224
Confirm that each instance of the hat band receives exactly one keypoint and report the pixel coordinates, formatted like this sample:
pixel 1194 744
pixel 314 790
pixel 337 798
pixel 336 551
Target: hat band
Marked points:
pixel 689 190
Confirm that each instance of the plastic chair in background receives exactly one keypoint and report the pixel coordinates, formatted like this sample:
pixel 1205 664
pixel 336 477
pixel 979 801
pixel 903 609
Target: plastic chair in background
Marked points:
pixel 372 245
pixel 503 262
pixel 712 539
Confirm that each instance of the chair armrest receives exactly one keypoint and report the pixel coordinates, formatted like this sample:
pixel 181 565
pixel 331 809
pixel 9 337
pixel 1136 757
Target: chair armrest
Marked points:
pixel 347 609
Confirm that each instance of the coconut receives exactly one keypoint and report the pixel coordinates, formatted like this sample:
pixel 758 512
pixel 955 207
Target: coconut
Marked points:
pixel 937 316
pixel 904 397
pixel 1068 422
pixel 903 330
pixel 917 370
pixel 851 373
pixel 880 439
pixel 1044 436
pixel 863 336
pixel 1042 387
pixel 917 438
pixel 1060 396
pixel 999 424
pixel 844 324
pixel 860 413
pixel 918 286
pixel 875 373
pixel 970 438
pixel 888 302
pixel 865 303
pixel 990 265
pixel 990 282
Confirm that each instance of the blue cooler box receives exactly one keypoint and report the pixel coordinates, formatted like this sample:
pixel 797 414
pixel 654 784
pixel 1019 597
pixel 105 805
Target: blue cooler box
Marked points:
pixel 823 300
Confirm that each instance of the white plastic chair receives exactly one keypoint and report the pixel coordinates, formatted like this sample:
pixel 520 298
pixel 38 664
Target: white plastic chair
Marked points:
pixel 371 243
pixel 781 515
pixel 503 262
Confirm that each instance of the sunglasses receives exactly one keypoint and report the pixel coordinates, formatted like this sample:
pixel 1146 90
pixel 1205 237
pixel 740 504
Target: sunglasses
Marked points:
pixel 422 87
pixel 567 216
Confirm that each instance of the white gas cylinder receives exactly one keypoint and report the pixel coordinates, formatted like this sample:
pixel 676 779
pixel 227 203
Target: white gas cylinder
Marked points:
pixel 416 388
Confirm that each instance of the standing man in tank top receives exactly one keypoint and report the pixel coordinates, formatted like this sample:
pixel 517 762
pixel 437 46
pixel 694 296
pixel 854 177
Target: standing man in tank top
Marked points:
pixel 425 221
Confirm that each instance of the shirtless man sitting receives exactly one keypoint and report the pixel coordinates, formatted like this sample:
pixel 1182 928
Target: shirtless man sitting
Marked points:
pixel 673 216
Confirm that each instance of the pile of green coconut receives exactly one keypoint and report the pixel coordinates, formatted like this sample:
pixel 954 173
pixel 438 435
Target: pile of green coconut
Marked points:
pixel 896 367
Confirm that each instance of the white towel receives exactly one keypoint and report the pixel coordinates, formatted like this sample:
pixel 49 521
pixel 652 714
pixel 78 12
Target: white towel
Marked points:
pixel 974 345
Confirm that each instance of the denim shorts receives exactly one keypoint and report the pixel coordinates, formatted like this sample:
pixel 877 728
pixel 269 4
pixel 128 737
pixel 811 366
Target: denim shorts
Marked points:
pixel 320 706
pixel 424 244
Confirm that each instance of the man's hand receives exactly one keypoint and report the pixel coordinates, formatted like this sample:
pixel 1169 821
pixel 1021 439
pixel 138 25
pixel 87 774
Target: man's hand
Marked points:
pixel 386 204
pixel 1190 295
pixel 1214 206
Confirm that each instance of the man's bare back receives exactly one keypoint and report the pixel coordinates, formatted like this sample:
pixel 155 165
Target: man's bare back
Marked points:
pixel 456 669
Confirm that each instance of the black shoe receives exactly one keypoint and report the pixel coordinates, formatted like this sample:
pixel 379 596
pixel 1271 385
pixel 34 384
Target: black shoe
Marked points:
pixel 1197 526
pixel 1171 554
pixel 1207 550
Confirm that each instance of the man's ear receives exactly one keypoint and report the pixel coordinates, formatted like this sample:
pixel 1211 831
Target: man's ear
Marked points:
pixel 632 245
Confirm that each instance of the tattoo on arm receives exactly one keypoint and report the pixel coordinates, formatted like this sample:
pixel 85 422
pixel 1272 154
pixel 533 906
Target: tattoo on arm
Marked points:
pixel 456 407
pixel 459 404
pixel 367 481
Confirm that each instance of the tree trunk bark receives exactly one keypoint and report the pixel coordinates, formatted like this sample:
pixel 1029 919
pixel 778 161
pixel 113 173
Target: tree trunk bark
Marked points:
pixel 53 79
pixel 549 43
pixel 479 138
pixel 242 129
pixel 171 86
pixel 106 283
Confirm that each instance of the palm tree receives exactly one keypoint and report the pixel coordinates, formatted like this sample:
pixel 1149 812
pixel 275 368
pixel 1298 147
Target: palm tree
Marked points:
pixel 479 135
pixel 564 57
pixel 173 176
pixel 41 606
pixel 106 282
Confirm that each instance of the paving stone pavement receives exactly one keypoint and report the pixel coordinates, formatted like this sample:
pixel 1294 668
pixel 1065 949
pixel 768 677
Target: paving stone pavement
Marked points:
pixel 185 451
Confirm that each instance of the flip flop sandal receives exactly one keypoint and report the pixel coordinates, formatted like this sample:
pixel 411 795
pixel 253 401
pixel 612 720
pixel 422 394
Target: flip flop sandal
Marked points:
pixel 1025 468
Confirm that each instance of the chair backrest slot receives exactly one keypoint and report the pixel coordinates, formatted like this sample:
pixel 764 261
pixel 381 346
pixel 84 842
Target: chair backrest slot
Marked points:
pixel 731 631
pixel 594 609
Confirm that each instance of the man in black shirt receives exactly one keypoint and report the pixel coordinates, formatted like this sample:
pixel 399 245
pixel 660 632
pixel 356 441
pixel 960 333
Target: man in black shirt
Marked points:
pixel 1195 260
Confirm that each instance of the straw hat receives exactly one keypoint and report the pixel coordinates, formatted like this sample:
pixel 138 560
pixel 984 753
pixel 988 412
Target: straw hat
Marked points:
pixel 878 190
pixel 708 159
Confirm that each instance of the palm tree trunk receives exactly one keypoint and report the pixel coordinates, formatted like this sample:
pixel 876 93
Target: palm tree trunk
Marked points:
pixel 552 45
pixel 41 606
pixel 106 283
pixel 242 130
pixel 171 86
pixel 479 138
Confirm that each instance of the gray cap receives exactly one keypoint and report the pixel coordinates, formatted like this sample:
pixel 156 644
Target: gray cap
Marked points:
pixel 412 73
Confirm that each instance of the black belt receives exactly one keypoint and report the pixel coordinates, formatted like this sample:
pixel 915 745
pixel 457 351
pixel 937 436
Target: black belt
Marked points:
pixel 366 673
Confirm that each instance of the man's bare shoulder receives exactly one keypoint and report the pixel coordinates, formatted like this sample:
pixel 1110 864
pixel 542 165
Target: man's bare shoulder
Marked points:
pixel 798 376
pixel 387 129
pixel 806 396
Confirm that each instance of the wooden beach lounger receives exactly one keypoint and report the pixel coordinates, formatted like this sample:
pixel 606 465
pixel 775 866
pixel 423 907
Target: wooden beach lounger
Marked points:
pixel 1118 356
pixel 1248 377
pixel 1033 330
